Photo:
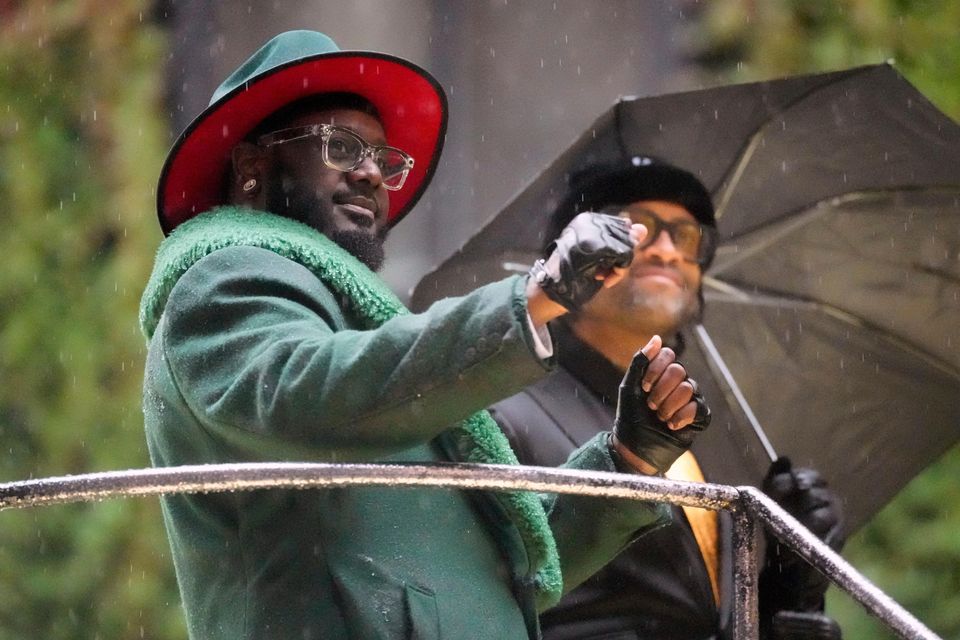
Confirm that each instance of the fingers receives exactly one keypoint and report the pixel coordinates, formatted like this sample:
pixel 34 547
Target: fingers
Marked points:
pixel 652 348
pixel 670 391
pixel 658 364
pixel 613 276
pixel 682 417
pixel 677 409
pixel 635 235
pixel 638 366
pixel 638 233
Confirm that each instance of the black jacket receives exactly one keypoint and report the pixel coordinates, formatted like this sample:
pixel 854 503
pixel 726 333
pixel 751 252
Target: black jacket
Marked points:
pixel 658 588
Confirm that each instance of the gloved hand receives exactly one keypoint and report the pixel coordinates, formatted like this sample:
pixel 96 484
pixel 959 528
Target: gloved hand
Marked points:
pixel 592 244
pixel 659 435
pixel 787 582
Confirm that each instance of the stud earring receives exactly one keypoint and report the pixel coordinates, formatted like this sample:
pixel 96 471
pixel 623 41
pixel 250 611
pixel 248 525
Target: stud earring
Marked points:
pixel 249 185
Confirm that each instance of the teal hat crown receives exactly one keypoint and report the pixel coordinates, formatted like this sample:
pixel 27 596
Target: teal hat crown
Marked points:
pixel 287 47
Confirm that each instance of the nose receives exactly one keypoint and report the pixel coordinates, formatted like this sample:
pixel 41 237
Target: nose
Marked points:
pixel 662 246
pixel 367 171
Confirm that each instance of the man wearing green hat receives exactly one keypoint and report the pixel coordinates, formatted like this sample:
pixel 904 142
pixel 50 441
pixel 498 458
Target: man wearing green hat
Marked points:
pixel 271 339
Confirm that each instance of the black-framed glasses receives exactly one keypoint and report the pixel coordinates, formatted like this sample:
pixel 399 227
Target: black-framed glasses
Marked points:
pixel 695 242
pixel 344 150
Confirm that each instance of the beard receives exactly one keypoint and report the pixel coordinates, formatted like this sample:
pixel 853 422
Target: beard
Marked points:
pixel 365 247
pixel 300 204
pixel 667 308
pixel 662 312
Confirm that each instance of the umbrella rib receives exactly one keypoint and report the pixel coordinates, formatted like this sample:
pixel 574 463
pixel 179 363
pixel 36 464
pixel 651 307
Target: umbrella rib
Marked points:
pixel 734 388
pixel 792 220
pixel 733 178
pixel 776 298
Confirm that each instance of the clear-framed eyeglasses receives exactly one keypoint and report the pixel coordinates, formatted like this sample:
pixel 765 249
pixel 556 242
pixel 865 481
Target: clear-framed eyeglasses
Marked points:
pixel 343 150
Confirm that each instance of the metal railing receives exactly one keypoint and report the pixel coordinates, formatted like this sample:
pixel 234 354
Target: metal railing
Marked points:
pixel 749 506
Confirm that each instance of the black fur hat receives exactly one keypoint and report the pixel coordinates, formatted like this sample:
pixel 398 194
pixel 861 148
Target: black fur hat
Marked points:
pixel 632 179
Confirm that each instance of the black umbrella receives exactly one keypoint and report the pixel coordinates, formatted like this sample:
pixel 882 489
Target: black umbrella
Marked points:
pixel 832 328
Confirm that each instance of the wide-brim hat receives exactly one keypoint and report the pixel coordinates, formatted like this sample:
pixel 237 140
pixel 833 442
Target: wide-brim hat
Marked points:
pixel 293 65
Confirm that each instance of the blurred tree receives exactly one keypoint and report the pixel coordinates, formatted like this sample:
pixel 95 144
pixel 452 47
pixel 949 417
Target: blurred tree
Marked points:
pixel 81 142
pixel 911 549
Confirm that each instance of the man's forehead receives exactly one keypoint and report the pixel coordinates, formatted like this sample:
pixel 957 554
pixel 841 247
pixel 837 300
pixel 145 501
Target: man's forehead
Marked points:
pixel 363 123
pixel 663 208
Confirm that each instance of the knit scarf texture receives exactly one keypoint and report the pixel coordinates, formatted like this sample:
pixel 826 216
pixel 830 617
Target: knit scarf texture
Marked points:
pixel 373 303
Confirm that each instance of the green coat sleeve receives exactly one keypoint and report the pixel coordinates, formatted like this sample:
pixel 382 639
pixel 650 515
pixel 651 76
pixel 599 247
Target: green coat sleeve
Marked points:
pixel 270 363
pixel 591 531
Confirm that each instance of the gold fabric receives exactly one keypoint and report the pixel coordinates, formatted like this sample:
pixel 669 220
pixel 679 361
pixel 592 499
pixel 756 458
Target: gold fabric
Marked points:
pixel 702 521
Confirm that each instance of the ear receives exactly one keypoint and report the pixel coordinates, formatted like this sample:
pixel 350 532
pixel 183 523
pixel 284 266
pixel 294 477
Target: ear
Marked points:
pixel 249 163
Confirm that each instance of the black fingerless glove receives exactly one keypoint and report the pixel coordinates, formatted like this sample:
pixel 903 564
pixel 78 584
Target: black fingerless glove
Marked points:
pixel 639 428
pixel 787 581
pixel 592 243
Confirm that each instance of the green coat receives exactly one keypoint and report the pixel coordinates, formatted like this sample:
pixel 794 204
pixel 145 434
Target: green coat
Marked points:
pixel 255 359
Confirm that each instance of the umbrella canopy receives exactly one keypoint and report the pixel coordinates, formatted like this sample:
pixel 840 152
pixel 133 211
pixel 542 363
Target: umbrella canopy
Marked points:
pixel 832 325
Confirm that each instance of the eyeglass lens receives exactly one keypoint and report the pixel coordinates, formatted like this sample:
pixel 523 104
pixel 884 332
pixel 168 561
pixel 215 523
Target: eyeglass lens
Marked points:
pixel 686 235
pixel 344 151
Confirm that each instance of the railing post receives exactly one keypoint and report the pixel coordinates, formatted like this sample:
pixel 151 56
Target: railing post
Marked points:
pixel 828 562
pixel 746 542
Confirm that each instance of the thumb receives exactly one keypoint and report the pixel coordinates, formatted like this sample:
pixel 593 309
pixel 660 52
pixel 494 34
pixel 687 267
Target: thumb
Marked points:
pixel 638 233
pixel 638 366
pixel 652 348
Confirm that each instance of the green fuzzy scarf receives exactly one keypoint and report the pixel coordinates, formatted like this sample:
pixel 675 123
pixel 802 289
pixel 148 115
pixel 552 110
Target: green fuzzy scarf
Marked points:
pixel 372 302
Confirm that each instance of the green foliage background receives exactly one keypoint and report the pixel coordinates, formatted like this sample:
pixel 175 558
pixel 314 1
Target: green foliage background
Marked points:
pixel 911 550
pixel 82 138
pixel 81 143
